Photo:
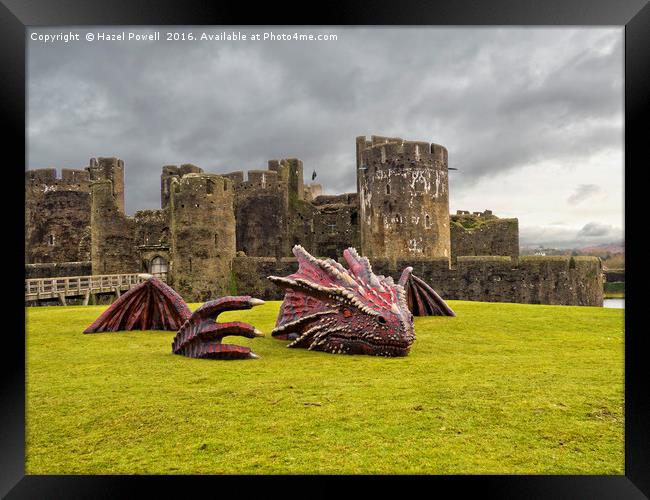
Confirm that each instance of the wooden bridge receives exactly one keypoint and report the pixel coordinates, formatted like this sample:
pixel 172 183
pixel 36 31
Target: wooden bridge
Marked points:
pixel 80 286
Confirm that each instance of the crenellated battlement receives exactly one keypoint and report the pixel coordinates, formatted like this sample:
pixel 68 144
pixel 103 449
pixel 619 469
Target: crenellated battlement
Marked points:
pixel 397 152
pixel 484 213
pixel 170 172
pixel 198 187
pixel 257 179
pixel 184 169
pixel 336 199
pixel 47 179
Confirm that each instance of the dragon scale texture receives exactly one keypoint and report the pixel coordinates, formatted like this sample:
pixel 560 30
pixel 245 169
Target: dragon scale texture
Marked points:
pixel 344 311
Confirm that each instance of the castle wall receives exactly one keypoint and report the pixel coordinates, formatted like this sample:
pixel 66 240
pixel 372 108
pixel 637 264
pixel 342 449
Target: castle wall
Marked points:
pixel 152 237
pixel 261 206
pixel 535 280
pixel 57 210
pixel 202 236
pixel 336 225
pixel 112 233
pixel 302 221
pixel 58 269
pixel 404 199
pixel 250 276
pixel 483 235
pixel 312 191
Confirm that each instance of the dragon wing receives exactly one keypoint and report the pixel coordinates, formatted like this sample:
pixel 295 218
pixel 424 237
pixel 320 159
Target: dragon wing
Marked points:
pixel 150 305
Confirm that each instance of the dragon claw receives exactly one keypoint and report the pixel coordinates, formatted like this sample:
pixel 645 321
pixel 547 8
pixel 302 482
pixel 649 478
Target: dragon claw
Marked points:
pixel 201 336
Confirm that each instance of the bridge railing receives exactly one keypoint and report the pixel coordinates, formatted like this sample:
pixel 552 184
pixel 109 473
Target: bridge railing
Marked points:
pixel 36 288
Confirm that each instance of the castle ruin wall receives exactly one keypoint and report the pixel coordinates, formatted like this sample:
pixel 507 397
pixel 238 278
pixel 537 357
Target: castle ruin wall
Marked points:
pixel 202 236
pixel 112 233
pixel 534 280
pixel 484 236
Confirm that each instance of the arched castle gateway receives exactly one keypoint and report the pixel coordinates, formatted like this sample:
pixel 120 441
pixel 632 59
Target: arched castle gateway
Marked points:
pixel 224 234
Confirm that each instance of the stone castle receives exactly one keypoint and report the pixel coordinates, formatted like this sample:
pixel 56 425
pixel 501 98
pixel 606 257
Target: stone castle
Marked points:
pixel 224 234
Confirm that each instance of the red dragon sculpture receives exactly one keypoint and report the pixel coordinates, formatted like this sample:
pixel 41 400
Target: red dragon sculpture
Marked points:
pixel 201 336
pixel 351 311
pixel 150 305
pixel 154 305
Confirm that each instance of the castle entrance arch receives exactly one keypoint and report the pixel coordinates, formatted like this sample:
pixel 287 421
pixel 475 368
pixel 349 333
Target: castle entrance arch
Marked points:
pixel 159 268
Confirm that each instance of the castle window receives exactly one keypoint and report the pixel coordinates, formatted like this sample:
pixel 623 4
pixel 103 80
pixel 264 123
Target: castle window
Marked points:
pixel 332 228
pixel 427 221
pixel 398 218
pixel 387 188
pixel 209 189
pixel 50 239
pixel 196 205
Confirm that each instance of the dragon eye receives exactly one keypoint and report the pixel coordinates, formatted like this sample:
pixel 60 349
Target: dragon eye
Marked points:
pixel 347 313
pixel 381 320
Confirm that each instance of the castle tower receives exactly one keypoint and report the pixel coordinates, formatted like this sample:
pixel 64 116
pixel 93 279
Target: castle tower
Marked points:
pixel 170 172
pixel 403 198
pixel 57 211
pixel 202 235
pixel 290 170
pixel 113 170
pixel 112 248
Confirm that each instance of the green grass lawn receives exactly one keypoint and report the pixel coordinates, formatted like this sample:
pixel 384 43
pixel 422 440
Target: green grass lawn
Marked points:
pixel 500 389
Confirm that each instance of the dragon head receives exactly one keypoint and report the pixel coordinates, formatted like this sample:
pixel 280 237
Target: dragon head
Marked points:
pixel 351 311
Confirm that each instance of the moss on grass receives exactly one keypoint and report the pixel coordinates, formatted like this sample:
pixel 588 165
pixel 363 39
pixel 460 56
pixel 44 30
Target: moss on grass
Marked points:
pixel 502 388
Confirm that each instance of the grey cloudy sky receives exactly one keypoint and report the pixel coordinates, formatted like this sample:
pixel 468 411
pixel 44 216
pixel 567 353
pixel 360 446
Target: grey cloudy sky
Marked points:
pixel 532 117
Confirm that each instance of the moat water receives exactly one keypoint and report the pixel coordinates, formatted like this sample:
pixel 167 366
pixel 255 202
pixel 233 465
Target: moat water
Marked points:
pixel 614 303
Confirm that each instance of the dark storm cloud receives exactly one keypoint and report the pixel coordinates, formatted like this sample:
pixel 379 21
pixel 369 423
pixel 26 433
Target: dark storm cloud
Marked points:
pixel 498 99
pixel 583 192
pixel 595 230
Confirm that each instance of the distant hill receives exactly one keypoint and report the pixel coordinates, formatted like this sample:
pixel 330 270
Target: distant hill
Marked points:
pixel 612 254
pixel 611 248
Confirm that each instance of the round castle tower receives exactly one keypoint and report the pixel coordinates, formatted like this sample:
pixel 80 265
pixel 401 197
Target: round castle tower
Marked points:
pixel 403 198
pixel 202 235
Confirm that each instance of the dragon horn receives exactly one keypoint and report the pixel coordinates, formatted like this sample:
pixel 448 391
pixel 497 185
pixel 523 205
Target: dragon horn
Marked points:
pixel 406 273
pixel 213 308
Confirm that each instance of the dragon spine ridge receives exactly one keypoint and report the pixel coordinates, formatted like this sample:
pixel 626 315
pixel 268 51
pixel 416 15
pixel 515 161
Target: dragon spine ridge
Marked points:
pixel 333 309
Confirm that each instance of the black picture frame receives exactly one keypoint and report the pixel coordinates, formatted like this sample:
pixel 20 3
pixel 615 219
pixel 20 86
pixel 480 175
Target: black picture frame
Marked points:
pixel 17 15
